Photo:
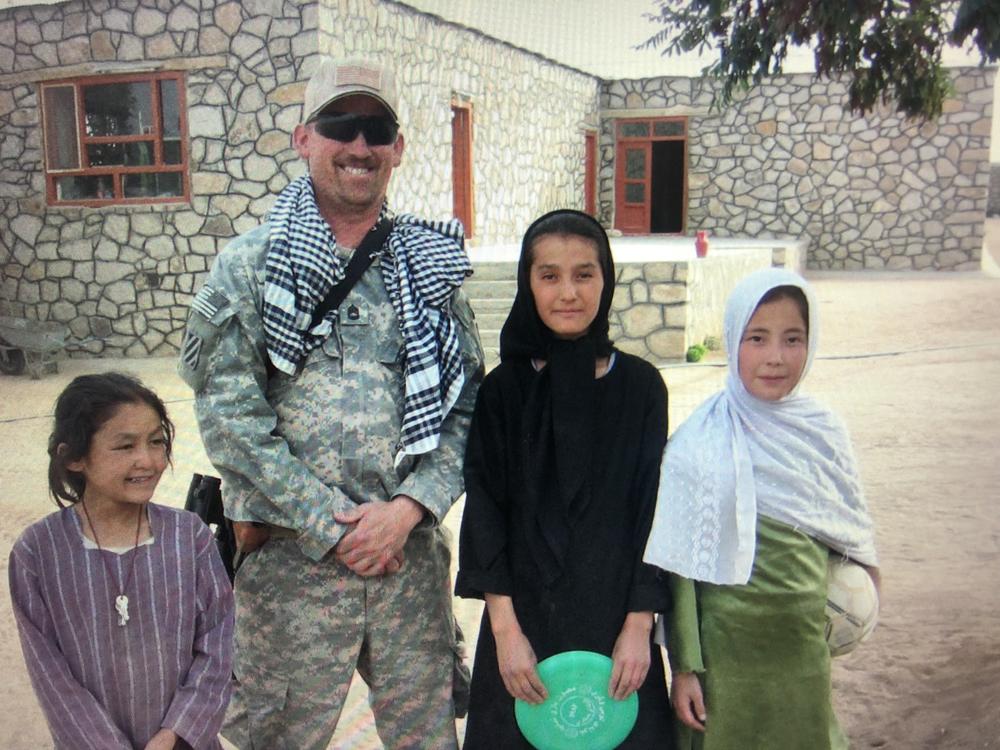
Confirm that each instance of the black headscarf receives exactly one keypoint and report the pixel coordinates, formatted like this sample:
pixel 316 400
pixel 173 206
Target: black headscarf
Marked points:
pixel 558 423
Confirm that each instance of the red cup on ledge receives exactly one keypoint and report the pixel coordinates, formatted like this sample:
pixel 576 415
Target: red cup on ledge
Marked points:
pixel 701 243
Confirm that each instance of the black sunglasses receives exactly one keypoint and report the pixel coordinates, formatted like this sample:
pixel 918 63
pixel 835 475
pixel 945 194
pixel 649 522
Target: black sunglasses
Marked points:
pixel 379 130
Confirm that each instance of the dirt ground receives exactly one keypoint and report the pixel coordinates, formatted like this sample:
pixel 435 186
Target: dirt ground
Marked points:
pixel 911 361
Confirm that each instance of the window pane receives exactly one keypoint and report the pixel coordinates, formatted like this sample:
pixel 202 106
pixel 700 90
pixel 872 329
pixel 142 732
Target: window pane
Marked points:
pixel 133 154
pixel 153 185
pixel 107 140
pixel 118 108
pixel 635 192
pixel 634 129
pixel 61 146
pixel 635 164
pixel 172 151
pixel 170 108
pixel 671 127
pixel 85 188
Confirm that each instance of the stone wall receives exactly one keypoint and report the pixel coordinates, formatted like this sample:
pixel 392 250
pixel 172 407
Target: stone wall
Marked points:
pixel 661 309
pixel 874 192
pixel 125 275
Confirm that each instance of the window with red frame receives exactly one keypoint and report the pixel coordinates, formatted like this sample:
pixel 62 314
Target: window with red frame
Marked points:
pixel 116 139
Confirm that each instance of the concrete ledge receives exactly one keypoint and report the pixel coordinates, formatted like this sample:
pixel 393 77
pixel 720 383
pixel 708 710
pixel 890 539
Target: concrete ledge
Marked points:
pixel 666 298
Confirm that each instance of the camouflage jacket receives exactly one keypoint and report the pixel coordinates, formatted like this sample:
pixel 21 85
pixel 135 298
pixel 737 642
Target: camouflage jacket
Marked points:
pixel 293 450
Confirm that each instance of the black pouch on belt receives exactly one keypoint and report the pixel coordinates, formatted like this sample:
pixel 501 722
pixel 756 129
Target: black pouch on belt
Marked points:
pixel 204 499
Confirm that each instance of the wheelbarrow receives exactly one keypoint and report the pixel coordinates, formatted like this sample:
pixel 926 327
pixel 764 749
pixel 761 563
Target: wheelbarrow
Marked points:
pixel 31 344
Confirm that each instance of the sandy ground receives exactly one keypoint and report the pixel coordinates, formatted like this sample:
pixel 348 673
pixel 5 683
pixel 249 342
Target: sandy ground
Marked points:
pixel 912 362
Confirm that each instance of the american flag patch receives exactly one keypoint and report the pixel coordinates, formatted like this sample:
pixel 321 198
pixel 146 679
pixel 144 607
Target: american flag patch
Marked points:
pixel 351 75
pixel 208 302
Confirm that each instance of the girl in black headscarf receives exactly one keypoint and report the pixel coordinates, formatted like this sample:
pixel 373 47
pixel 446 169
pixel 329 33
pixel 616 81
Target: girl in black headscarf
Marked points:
pixel 561 475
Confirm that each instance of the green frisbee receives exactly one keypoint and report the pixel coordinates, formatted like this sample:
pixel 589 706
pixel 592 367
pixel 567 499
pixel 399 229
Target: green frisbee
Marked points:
pixel 578 713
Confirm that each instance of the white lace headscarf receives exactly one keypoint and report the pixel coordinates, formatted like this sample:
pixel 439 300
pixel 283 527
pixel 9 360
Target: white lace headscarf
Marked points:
pixel 737 456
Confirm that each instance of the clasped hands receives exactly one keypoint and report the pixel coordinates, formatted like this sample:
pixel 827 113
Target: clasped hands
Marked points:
pixel 374 544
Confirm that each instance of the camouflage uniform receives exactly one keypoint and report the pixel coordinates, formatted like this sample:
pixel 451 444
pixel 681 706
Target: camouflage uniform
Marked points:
pixel 294 450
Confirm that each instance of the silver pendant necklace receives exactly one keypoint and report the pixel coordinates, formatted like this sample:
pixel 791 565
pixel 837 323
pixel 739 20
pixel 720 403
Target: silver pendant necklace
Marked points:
pixel 121 601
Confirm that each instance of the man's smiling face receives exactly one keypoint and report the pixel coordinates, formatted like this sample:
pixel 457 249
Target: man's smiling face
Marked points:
pixel 349 177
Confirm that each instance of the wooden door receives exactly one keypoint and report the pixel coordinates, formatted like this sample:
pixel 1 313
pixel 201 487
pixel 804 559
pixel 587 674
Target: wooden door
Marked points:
pixel 461 165
pixel 590 173
pixel 633 183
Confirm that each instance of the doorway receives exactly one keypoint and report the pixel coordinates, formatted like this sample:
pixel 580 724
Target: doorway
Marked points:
pixel 590 172
pixel 461 165
pixel 651 176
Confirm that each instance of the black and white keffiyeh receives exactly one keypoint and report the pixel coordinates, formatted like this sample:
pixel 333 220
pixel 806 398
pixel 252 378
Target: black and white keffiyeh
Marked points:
pixel 301 267
pixel 426 262
pixel 422 263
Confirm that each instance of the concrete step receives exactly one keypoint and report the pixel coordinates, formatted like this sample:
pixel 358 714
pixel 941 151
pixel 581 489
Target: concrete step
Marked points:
pixel 494 271
pixel 489 321
pixel 491 293
pixel 492 352
pixel 478 289
pixel 499 305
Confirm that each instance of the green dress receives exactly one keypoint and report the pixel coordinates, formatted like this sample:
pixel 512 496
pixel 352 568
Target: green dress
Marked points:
pixel 760 650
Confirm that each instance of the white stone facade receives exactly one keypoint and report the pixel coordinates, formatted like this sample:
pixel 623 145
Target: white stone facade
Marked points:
pixel 874 192
pixel 125 275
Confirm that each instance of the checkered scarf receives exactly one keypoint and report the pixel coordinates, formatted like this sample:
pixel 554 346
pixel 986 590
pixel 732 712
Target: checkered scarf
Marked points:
pixel 422 263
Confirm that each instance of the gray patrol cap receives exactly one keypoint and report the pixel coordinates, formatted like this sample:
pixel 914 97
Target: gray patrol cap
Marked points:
pixel 335 79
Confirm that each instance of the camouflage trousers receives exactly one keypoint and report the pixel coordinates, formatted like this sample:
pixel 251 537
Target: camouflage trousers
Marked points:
pixel 302 628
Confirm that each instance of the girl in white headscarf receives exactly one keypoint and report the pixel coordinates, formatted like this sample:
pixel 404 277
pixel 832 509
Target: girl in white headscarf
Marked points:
pixel 757 488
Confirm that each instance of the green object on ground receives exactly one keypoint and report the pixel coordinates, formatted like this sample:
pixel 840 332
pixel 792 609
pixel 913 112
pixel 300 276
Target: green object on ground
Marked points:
pixel 695 353
pixel 578 713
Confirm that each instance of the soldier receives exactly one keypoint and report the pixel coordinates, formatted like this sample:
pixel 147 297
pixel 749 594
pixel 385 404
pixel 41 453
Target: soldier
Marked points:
pixel 339 434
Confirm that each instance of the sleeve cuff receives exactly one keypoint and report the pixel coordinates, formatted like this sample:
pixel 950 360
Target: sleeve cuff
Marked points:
pixel 649 597
pixel 476 584
pixel 314 548
pixel 428 496
pixel 680 664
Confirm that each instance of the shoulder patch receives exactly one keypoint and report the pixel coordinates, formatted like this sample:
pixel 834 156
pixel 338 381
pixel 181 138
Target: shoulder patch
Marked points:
pixel 191 350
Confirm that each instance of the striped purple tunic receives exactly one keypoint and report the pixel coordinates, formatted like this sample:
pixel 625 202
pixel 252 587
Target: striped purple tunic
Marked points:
pixel 107 686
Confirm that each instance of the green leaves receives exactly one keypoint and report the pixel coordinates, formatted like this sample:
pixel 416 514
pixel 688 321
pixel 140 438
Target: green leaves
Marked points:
pixel 981 20
pixel 884 50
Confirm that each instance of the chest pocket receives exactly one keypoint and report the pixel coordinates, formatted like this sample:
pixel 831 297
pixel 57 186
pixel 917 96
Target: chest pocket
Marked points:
pixel 390 352
pixel 371 333
pixel 211 312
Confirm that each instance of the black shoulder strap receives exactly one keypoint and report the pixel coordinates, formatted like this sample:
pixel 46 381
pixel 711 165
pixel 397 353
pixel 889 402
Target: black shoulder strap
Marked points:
pixel 356 267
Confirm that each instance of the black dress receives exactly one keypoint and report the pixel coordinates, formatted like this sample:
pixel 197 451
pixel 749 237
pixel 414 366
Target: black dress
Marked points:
pixel 602 577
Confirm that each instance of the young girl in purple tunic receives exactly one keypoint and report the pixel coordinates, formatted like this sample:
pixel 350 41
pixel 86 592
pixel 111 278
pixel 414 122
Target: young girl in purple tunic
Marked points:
pixel 124 609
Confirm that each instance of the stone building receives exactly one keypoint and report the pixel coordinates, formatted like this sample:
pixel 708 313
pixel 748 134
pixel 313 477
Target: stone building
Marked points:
pixel 139 136
pixel 116 250
pixel 874 192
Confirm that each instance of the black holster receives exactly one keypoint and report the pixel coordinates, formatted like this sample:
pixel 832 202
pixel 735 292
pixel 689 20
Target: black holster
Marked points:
pixel 204 499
